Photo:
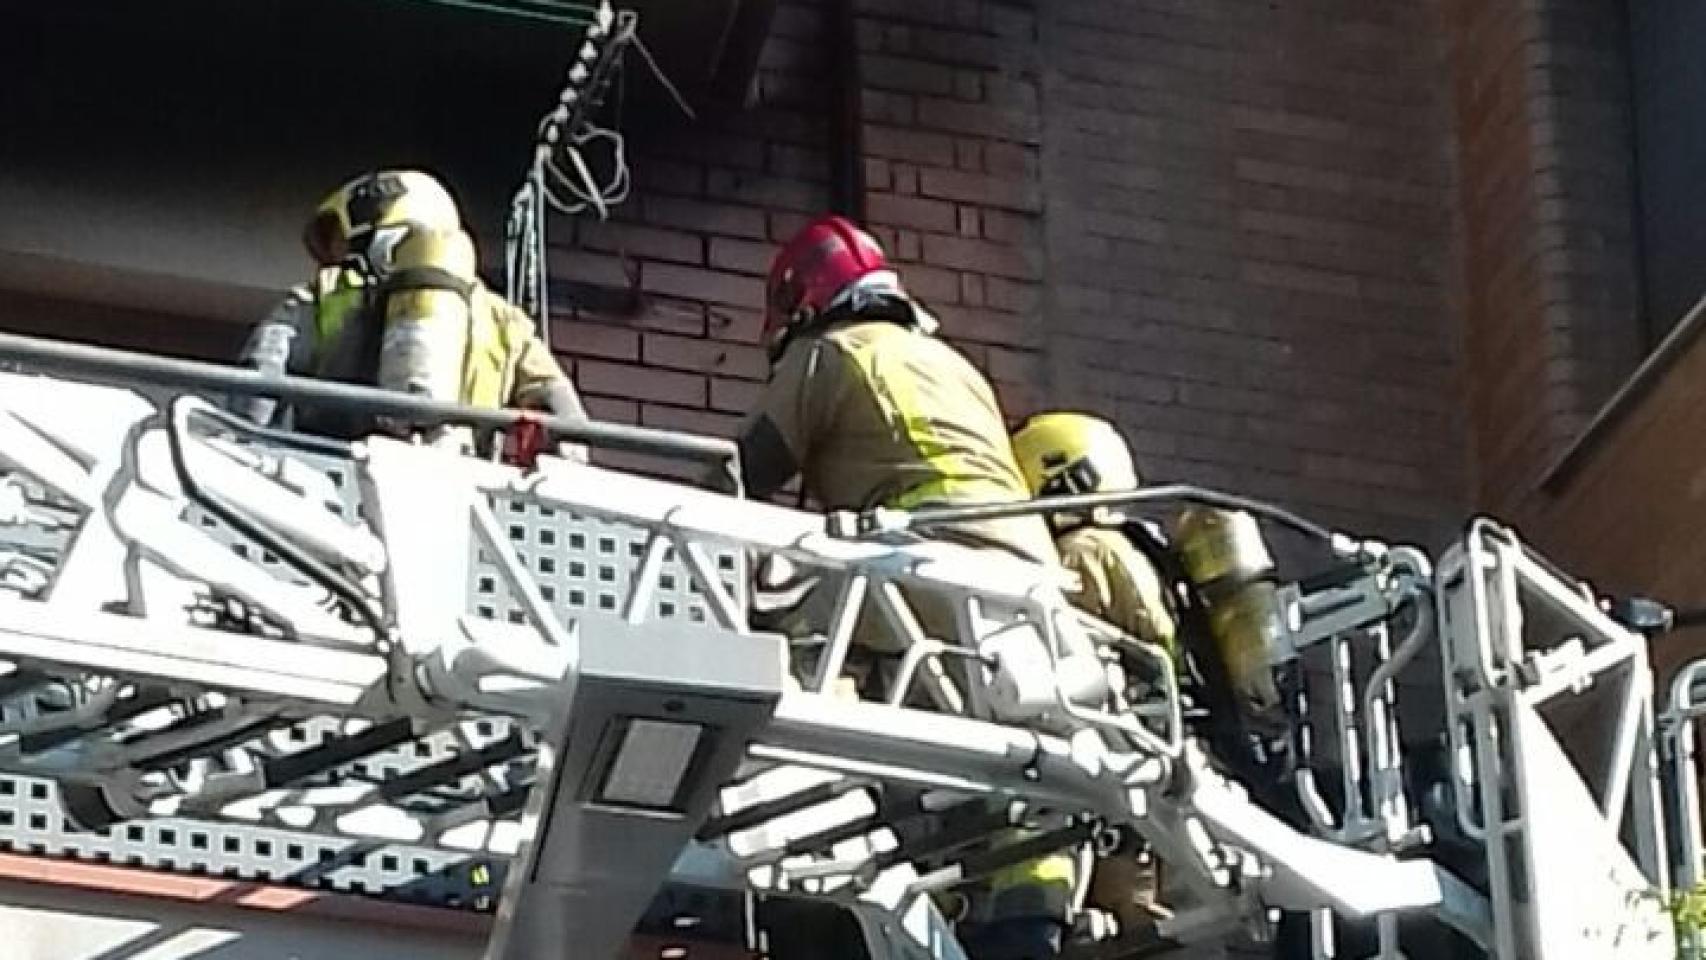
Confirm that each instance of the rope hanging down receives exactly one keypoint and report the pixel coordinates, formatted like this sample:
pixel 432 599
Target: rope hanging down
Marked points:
pixel 577 164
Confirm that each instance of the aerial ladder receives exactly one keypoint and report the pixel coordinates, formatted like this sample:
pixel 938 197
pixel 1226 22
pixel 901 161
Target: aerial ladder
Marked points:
pixel 545 679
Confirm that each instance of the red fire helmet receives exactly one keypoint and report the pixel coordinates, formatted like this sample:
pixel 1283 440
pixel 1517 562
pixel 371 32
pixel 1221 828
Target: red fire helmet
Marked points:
pixel 812 269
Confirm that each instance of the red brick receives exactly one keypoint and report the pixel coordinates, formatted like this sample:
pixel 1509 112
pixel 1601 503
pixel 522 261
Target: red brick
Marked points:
pixel 705 356
pixel 971 289
pixel 594 340
pixel 783 125
pixel 882 107
pixel 1020 400
pixel 1003 227
pixel 931 284
pixel 1014 366
pixel 1127 385
pixel 1194 307
pixel 611 409
pixel 982 325
pixel 783 226
pixel 704 422
pixel 801 163
pixel 741 256
pixel 945 13
pixel 672 316
pixel 662 176
pixel 977 353
pixel 651 243
pixel 704 217
pixel 960 47
pixel 700 284
pixel 998 123
pixel 970 223
pixel 905 179
pixel 1009 194
pixel 1291 277
pixel 763 190
pixel 969 154
pixel 598 269
pixel 710 146
pixel 914 212
pixel 640 383
pixel 1008 295
pixel 1008 159
pixel 913 146
pixel 968 85
pixel 905 75
pixel 877 174
pixel 735 325
pixel 907 247
pixel 735 396
pixel 1010 90
pixel 981 256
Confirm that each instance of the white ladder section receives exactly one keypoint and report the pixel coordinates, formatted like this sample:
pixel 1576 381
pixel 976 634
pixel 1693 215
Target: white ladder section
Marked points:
pixel 366 644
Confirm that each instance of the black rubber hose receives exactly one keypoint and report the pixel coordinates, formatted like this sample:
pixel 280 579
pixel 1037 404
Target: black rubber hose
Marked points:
pixel 308 565
pixel 1080 503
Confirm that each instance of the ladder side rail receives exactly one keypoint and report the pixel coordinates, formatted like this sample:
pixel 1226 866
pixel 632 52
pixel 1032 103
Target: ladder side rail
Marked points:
pixel 1496 684
pixel 1614 648
pixel 958 573
pixel 1353 618
pixel 1473 621
pixel 1679 738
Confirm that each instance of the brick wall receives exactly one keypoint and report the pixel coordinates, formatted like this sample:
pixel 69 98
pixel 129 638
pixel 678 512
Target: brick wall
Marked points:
pixel 952 127
pixel 1249 247
pixel 1630 516
pixel 1224 225
pixel 1550 301
pixel 692 244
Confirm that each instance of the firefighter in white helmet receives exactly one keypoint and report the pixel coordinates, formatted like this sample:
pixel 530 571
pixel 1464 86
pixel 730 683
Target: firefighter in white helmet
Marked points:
pixel 397 303
pixel 1061 454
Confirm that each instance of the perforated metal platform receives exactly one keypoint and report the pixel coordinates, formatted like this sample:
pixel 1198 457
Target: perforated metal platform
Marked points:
pixel 584 569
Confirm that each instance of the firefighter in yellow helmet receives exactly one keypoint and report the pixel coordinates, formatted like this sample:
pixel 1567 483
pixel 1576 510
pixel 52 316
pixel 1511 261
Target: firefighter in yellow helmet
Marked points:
pixel 1070 453
pixel 1062 454
pixel 397 303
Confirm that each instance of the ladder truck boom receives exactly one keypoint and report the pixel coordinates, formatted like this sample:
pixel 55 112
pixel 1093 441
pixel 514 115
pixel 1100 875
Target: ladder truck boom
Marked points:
pixel 546 680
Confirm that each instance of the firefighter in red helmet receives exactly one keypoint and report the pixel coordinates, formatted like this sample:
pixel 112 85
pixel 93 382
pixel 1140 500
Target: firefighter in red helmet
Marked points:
pixel 869 409
pixel 867 406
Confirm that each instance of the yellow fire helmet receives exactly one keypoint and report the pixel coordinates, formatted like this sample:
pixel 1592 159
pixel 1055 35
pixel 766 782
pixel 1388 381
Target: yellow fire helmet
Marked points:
pixel 1066 453
pixel 364 209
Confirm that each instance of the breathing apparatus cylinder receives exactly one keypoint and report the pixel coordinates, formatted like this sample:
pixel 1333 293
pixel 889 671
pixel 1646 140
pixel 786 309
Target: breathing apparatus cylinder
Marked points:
pixel 1228 562
pixel 427 318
